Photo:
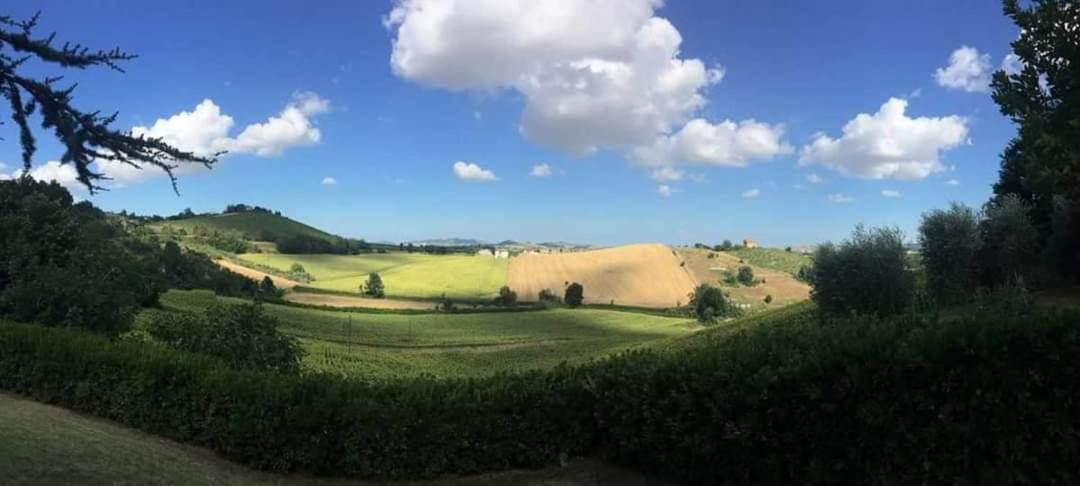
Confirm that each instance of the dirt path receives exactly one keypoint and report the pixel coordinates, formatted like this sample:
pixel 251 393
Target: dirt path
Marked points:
pixel 346 301
pixel 256 275
pixel 646 275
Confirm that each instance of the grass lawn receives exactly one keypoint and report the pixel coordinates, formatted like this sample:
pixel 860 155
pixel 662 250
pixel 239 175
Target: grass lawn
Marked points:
pixel 45 445
pixel 387 345
pixel 404 274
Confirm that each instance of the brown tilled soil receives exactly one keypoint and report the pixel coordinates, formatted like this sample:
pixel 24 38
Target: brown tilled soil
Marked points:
pixel 279 282
pixel 645 275
pixel 782 286
pixel 346 301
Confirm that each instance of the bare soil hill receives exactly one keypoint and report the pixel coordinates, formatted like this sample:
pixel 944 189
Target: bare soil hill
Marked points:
pixel 647 275
pixel 345 301
pixel 782 286
pixel 256 275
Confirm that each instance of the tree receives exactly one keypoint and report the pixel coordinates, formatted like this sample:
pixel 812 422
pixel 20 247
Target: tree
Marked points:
pixel 506 298
pixel 708 303
pixel 267 286
pixel 725 246
pixel 745 276
pixel 575 295
pixel 374 286
pixel 546 295
pixel 950 243
pixel 1043 98
pixel 1010 245
pixel 866 274
pixel 85 136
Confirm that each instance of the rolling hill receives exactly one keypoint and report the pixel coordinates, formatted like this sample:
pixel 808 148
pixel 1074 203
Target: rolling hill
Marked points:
pixel 253 225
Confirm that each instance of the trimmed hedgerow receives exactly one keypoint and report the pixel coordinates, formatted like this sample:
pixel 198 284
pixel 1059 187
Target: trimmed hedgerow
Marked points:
pixel 793 400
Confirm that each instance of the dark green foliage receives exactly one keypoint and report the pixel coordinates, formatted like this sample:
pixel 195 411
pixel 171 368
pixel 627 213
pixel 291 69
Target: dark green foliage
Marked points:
pixel 768 299
pixel 506 298
pixel 547 296
pixel 84 136
pixel 301 244
pixel 64 264
pixel 374 286
pixel 267 287
pixel 725 246
pixel 574 295
pixel 949 242
pixel 709 303
pixel 227 241
pixel 788 401
pixel 241 335
pixel 1010 245
pixel 1062 250
pixel 865 275
pixel 745 276
pixel 804 274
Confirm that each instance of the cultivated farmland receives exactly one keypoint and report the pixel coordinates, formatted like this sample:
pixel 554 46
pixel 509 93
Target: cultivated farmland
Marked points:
pixel 646 275
pixel 405 274
pixel 782 286
pixel 397 345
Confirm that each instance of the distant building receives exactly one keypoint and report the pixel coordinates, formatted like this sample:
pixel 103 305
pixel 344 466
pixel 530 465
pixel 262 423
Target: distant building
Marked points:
pixel 749 244
pixel 502 253
pixel 484 252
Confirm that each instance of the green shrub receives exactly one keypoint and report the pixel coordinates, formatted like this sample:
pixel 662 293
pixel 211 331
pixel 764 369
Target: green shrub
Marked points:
pixel 243 336
pixel 1010 241
pixel 768 299
pixel 867 274
pixel 949 244
pixel 709 303
pixel 547 296
pixel 506 298
pixel 745 276
pixel 575 295
pixel 374 286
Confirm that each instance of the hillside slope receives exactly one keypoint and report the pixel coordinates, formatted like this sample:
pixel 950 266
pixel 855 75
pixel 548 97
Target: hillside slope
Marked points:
pixel 647 275
pixel 256 226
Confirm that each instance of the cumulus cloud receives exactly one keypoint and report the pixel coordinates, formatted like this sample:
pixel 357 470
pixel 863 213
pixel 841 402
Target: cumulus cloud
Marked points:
pixel 814 178
pixel 751 193
pixel 665 190
pixel 540 170
pixel 53 170
pixel 890 193
pixel 667 174
pixel 888 144
pixel 840 198
pixel 967 70
pixel 205 131
pixel 470 172
pixel 329 181
pixel 622 87
pixel 724 144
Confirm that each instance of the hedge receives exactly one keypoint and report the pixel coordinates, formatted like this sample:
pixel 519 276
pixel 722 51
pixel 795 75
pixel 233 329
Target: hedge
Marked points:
pixel 794 400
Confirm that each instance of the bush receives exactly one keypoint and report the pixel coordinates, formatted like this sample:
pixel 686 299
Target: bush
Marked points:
pixel 241 335
pixel 374 286
pixel 768 299
pixel 949 241
pixel 745 276
pixel 708 303
pixel 867 274
pixel 1010 242
pixel 575 295
pixel 547 296
pixel 789 400
pixel 506 298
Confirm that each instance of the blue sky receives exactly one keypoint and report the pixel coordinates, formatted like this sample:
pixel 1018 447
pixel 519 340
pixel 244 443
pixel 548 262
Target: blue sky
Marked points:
pixel 496 87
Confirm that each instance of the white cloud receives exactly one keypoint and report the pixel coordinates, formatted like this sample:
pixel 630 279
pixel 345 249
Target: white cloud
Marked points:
pixel 665 190
pixel 667 174
pixel 1011 64
pixel 621 87
pixel 205 131
pixel 724 144
pixel 814 178
pixel 888 144
pixel 840 198
pixel 540 170
pixel 890 193
pixel 53 170
pixel 751 193
pixel 967 70
pixel 329 181
pixel 470 172
pixel 952 182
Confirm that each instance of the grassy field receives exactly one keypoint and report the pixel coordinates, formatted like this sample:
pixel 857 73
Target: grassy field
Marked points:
pixel 47 445
pixel 253 225
pixel 773 258
pixel 404 274
pixel 388 345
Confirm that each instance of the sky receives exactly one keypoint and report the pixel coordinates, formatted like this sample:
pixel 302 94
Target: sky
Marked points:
pixel 592 121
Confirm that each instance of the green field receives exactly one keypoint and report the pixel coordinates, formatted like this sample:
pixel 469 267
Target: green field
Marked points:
pixel 253 225
pixel 773 259
pixel 387 345
pixel 404 274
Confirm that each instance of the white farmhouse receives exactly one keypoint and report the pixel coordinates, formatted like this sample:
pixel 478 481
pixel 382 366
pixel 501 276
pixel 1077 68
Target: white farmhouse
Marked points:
pixel 484 252
pixel 502 253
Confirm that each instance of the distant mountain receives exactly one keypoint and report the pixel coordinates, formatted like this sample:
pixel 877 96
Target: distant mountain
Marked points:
pixel 451 242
